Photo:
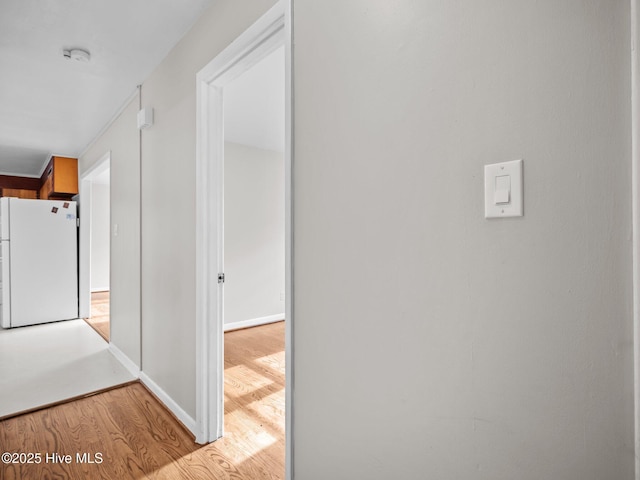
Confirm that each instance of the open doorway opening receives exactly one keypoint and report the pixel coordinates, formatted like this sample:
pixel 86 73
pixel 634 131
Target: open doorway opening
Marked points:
pixel 254 237
pixel 95 247
pixel 254 258
pixel 99 275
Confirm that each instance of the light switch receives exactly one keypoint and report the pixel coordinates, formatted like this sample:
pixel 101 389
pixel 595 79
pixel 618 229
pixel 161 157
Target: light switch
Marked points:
pixel 503 189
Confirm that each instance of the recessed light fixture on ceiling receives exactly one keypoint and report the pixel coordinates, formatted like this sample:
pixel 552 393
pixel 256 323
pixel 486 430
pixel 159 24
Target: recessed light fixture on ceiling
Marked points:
pixel 77 55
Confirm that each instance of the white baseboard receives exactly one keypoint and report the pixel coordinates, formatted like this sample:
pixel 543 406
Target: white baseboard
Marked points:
pixel 168 402
pixel 100 289
pixel 253 322
pixel 124 360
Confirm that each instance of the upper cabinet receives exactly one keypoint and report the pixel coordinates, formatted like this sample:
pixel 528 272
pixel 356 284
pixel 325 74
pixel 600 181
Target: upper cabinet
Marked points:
pixel 60 179
pixel 21 187
pixel 18 192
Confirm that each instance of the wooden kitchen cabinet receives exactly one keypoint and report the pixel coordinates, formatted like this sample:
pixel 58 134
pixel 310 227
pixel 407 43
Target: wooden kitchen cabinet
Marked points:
pixel 47 187
pixel 18 192
pixel 60 179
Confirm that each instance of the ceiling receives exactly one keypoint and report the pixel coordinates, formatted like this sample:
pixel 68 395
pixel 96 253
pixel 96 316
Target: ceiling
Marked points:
pixel 253 108
pixel 53 105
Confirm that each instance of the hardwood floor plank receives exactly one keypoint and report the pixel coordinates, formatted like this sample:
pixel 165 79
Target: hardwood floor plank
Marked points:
pixel 99 319
pixel 139 439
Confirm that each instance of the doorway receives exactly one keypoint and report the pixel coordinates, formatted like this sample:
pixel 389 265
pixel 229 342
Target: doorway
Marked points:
pixel 254 244
pixel 267 35
pixel 253 255
pixel 94 207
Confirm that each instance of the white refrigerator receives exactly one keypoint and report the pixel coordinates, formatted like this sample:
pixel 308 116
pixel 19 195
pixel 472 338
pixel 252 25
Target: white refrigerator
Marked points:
pixel 39 257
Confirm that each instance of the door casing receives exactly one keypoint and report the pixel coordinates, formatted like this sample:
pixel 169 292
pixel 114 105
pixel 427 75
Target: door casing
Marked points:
pixel 270 32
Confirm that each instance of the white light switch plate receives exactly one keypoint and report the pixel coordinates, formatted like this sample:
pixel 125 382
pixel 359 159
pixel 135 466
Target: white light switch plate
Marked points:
pixel 493 206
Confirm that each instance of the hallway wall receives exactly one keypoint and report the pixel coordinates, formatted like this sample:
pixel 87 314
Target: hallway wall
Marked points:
pixel 437 343
pixel 122 139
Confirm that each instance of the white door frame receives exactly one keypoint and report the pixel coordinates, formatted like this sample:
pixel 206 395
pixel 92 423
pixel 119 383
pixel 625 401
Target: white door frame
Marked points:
pixel 635 192
pixel 270 32
pixel 84 275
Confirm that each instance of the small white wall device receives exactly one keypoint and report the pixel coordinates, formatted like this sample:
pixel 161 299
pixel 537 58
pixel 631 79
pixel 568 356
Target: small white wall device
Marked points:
pixel 77 54
pixel 503 190
pixel 145 118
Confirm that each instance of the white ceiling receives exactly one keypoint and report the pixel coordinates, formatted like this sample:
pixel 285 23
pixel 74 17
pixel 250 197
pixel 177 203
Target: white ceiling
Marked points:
pixel 254 105
pixel 52 105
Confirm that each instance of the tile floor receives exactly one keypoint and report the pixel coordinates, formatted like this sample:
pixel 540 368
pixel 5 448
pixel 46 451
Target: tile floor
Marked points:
pixel 43 364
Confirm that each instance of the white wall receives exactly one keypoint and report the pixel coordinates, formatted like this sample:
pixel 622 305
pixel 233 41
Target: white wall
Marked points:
pixel 99 237
pixel 121 138
pixel 254 105
pixel 430 342
pixel 253 233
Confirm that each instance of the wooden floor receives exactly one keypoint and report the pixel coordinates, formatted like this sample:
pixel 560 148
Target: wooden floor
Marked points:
pixel 138 439
pixel 100 314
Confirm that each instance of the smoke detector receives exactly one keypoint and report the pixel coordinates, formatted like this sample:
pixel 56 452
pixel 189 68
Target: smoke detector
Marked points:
pixel 78 55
